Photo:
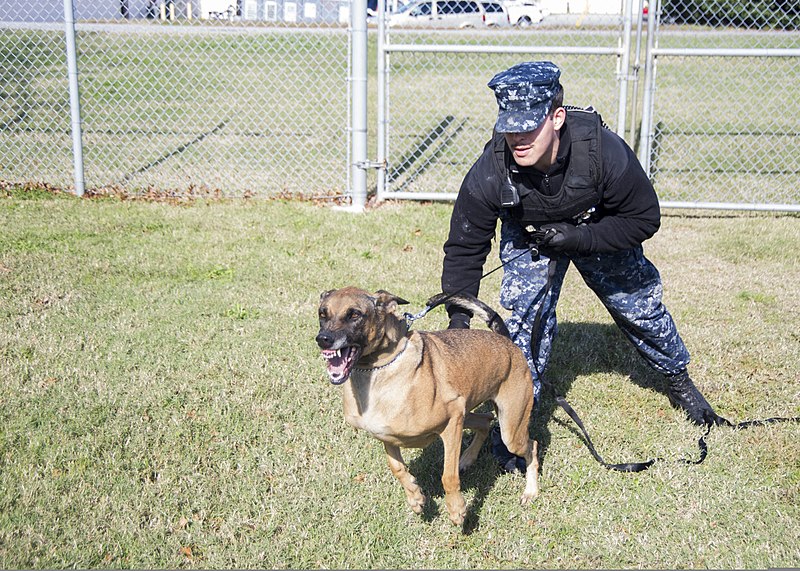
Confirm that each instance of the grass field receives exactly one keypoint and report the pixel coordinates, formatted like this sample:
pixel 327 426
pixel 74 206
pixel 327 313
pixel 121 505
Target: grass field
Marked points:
pixel 163 403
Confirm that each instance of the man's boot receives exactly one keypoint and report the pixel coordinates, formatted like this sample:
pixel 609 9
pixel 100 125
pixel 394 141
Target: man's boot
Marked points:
pixel 508 461
pixel 684 395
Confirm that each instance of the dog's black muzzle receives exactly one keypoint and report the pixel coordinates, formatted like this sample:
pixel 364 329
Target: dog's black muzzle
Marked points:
pixel 325 340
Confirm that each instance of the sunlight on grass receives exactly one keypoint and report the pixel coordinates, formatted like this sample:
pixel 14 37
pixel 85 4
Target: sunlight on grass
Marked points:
pixel 164 404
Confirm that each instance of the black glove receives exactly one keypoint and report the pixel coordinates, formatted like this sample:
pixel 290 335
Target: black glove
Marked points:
pixel 567 238
pixel 459 320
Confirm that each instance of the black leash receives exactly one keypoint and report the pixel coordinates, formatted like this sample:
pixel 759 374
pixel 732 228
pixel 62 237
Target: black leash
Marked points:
pixel 627 466
pixel 412 317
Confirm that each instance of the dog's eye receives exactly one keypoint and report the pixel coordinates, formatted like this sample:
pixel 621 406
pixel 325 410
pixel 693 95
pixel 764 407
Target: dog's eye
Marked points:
pixel 323 313
pixel 354 315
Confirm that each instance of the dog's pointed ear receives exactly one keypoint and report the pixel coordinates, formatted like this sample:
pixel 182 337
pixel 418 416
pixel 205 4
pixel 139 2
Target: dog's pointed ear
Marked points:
pixel 388 301
pixel 325 294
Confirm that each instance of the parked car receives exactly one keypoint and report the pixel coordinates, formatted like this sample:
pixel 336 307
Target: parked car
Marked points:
pixel 450 14
pixel 523 12
pixel 495 14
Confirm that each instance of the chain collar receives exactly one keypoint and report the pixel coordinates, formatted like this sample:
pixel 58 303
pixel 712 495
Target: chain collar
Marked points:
pixel 393 359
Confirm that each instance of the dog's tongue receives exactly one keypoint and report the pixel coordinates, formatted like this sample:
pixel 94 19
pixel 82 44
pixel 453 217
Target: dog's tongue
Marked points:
pixel 340 363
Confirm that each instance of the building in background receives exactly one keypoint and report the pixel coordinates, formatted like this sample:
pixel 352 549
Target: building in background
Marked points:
pixel 289 11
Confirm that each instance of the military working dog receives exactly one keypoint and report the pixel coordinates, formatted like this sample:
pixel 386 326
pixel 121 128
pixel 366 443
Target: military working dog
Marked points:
pixel 408 387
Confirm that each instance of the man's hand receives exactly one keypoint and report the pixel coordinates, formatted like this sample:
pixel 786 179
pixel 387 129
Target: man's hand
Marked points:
pixel 459 320
pixel 566 238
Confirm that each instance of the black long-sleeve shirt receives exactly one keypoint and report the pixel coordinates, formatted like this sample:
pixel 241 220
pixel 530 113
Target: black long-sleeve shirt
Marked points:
pixel 627 214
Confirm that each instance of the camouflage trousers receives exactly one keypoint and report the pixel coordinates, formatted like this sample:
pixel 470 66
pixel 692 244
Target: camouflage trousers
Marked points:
pixel 626 282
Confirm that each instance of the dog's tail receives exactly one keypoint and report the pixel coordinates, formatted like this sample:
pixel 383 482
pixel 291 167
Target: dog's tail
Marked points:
pixel 474 306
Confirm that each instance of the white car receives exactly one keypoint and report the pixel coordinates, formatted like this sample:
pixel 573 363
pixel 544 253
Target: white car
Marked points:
pixel 523 12
pixel 450 14
pixel 495 14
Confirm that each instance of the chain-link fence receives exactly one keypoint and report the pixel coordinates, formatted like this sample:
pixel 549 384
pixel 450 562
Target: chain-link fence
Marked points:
pixel 251 96
pixel 432 148
pixel 241 97
pixel 726 119
pixel 709 102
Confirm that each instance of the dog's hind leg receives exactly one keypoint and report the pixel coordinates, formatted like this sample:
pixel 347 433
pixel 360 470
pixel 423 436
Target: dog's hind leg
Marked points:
pixel 519 444
pixel 480 424
pixel 414 495
pixel 531 473
pixel 514 403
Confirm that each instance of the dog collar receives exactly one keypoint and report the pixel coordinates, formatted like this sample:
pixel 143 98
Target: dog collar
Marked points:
pixel 393 359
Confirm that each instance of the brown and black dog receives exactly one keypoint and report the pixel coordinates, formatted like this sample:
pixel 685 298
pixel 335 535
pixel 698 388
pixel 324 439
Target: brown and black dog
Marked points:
pixel 407 388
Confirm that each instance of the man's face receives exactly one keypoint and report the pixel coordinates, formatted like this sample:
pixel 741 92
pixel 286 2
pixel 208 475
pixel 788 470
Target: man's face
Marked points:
pixel 537 148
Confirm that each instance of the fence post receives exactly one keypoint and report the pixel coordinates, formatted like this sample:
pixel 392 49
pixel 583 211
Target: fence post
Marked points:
pixel 383 122
pixel 646 135
pixel 635 70
pixel 623 64
pixel 74 97
pixel 358 115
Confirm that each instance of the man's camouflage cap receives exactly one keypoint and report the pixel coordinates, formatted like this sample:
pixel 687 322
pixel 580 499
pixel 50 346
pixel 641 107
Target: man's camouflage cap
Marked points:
pixel 524 93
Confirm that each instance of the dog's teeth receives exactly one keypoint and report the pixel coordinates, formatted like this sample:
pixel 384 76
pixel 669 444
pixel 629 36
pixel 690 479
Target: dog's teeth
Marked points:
pixel 338 352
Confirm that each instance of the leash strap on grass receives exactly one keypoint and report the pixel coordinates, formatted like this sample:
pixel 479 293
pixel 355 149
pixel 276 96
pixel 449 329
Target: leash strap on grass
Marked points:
pixel 773 420
pixel 630 467
pixel 623 467
pixel 561 399
pixel 641 466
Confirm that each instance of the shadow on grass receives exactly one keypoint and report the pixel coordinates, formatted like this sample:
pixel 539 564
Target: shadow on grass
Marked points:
pixel 480 478
pixel 583 349
pixel 580 349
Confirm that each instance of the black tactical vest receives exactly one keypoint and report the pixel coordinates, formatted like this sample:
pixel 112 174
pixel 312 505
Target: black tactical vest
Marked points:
pixel 580 189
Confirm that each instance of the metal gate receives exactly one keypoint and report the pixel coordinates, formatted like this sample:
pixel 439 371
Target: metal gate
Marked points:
pixel 219 95
pixel 722 118
pixel 717 127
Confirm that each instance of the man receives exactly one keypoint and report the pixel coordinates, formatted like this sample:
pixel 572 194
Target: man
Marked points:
pixel 566 190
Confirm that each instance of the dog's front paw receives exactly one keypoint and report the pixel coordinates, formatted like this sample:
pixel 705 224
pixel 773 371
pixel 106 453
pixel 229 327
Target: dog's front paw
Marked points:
pixel 456 508
pixel 458 519
pixel 416 501
pixel 531 490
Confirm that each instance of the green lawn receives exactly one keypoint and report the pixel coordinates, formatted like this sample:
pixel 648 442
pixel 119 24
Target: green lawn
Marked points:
pixel 163 403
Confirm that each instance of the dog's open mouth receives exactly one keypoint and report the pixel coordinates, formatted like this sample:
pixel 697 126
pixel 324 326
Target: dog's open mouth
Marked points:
pixel 340 362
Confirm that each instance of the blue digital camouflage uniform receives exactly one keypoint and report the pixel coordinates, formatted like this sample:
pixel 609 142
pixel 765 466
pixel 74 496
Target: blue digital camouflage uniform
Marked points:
pixel 626 282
